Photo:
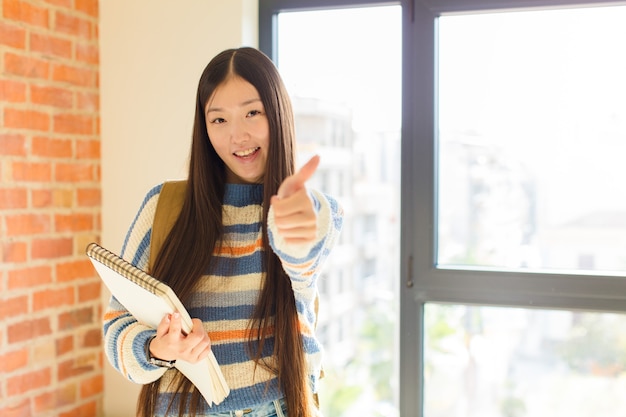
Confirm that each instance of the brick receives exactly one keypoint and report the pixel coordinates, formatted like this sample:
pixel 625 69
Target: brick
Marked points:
pixel 52 96
pixel 13 198
pixel 75 222
pixel 12 144
pixel 74 270
pixel 12 35
pixel 89 409
pixel 51 298
pixel 73 123
pixel 64 345
pixel 66 395
pixel 31 171
pixel 26 119
pixel 49 45
pixel 88 149
pixel 76 366
pixel 30 381
pixel 25 12
pixel 21 409
pixel 92 338
pixel 63 198
pixel 12 361
pixel 41 198
pixel 82 240
pixel 14 252
pixel 89 7
pixel 74 75
pixel 88 101
pixel 28 330
pixel 27 224
pixel 59 398
pixel 12 91
pixel 89 197
pixel 33 276
pixel 72 25
pixel 91 387
pixel 90 291
pixel 44 402
pixel 26 66
pixel 75 318
pixel 88 53
pixel 74 173
pixel 51 148
pixel 43 350
pixel 13 307
pixel 51 248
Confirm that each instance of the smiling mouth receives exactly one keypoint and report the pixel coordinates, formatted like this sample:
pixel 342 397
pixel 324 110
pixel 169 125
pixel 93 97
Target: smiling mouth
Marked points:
pixel 246 152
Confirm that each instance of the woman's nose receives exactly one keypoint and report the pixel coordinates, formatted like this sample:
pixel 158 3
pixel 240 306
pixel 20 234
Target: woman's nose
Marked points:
pixel 238 132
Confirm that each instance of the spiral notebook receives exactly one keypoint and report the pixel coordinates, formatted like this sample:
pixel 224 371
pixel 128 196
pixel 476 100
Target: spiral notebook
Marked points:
pixel 149 300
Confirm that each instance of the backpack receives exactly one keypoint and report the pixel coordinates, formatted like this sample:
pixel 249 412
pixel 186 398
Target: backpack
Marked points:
pixel 167 211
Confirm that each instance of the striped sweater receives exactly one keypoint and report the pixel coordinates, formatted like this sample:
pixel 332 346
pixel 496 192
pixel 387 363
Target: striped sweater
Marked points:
pixel 225 299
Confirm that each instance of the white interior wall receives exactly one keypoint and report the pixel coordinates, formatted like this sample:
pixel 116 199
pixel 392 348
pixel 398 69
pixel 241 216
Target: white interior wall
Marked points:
pixel 152 53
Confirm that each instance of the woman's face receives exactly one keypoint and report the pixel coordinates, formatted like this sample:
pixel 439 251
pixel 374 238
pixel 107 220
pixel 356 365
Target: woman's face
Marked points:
pixel 238 130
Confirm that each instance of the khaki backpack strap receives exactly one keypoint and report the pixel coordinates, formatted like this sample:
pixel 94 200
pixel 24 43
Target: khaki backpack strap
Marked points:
pixel 168 209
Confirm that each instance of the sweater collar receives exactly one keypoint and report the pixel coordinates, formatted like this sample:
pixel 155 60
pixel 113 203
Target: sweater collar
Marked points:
pixel 240 195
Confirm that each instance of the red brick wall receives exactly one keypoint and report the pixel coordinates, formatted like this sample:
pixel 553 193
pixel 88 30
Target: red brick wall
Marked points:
pixel 51 361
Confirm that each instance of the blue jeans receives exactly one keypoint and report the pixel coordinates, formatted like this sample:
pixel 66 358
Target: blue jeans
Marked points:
pixel 276 408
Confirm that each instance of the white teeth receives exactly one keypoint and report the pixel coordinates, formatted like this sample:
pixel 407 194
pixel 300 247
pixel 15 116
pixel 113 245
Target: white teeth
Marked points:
pixel 246 152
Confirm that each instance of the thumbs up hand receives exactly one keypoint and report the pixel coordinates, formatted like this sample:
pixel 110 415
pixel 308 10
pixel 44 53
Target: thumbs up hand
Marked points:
pixel 294 214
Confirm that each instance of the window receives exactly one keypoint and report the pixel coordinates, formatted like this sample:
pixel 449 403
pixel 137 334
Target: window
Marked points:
pixel 353 123
pixel 512 264
pixel 532 124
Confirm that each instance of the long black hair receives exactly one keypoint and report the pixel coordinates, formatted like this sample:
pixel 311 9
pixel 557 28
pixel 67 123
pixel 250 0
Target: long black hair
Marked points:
pixel 183 258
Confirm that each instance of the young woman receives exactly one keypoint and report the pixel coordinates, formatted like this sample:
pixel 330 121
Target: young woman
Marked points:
pixel 243 255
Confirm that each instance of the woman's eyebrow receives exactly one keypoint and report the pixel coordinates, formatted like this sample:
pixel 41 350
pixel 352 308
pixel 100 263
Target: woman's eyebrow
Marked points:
pixel 242 104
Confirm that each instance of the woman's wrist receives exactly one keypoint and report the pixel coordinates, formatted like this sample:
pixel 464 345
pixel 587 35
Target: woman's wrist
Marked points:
pixel 157 361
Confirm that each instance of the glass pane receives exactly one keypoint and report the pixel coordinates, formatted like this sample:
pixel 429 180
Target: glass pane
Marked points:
pixel 345 86
pixel 510 362
pixel 532 136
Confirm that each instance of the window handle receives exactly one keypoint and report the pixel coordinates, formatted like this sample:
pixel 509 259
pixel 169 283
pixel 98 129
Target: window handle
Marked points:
pixel 409 273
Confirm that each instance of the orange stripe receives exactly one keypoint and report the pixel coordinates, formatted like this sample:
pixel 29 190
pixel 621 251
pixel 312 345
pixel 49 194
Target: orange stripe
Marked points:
pixel 305 329
pixel 308 273
pixel 242 334
pixel 121 353
pixel 238 250
pixel 110 315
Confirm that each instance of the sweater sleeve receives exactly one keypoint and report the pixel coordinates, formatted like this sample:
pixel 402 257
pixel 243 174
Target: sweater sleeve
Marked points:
pixel 303 262
pixel 124 337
